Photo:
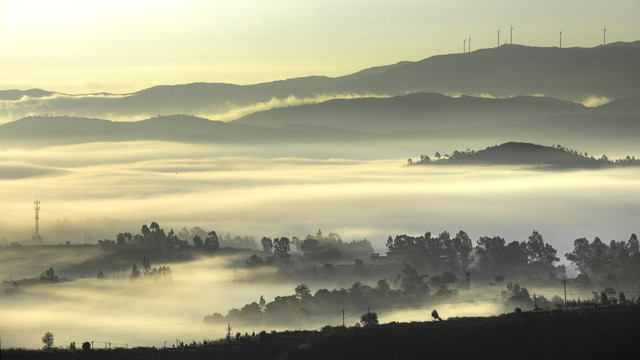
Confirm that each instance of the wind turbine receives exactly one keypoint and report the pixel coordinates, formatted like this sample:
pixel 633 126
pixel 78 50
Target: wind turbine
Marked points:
pixel 604 42
pixel 464 45
pixel 511 35
pixel 469 42
pixel 498 36
pixel 560 38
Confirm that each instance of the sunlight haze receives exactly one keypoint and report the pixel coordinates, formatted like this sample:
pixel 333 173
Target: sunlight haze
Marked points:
pixel 124 46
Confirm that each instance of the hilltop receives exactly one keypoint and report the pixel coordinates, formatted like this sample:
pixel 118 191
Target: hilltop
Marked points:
pixel 518 153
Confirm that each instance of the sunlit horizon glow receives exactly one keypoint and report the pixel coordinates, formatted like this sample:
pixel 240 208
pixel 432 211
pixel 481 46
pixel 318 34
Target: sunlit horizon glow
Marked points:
pixel 76 47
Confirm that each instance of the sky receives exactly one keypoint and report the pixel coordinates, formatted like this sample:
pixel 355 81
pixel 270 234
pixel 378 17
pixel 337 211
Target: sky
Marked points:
pixel 120 46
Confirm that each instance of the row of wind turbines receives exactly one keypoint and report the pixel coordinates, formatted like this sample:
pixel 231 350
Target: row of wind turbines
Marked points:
pixel 466 42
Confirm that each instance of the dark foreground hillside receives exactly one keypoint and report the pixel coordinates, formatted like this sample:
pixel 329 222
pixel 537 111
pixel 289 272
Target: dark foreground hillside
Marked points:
pixel 604 333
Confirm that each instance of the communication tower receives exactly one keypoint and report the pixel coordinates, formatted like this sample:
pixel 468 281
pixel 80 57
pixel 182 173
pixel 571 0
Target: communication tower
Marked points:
pixel 36 234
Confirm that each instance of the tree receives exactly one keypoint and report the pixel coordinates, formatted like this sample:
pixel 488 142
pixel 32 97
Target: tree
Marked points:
pixel 86 346
pixel 48 276
pixel 369 319
pixel 435 315
pixel 383 287
pixel 281 249
pixel 254 261
pixel 463 247
pixel 515 255
pixel 47 339
pixel 303 292
pixel 211 242
pixel 540 253
pixel 197 241
pixel 123 239
pixel 491 252
pixel 411 282
pixel 135 272
pixel 267 244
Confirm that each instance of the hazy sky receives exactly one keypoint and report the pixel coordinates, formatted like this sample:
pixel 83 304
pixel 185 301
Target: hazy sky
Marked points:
pixel 80 46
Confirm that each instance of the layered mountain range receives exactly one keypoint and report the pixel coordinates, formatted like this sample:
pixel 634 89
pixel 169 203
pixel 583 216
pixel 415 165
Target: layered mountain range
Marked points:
pixel 507 93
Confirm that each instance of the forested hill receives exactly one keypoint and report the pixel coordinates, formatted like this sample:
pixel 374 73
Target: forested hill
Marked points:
pixel 518 153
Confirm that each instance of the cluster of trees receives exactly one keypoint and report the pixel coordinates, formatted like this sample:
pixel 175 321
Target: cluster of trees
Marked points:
pixel 466 155
pixel 490 254
pixel 425 159
pixel 617 262
pixel 316 247
pixel 153 237
pixel 49 276
pixel 156 273
pixel 629 160
pixel 331 246
pixel 150 237
pixel 144 271
pixel 411 287
pixel 279 247
pixel 435 252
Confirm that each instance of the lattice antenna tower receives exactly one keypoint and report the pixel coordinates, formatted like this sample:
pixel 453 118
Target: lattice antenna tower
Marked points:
pixel 36 208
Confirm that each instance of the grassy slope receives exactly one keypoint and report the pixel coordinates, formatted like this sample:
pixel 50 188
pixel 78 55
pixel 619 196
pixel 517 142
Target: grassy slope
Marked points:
pixel 601 332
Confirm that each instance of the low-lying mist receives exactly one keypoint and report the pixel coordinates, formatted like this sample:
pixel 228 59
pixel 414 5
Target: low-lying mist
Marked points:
pixel 94 191
pixel 104 106
pixel 121 311
pixel 104 189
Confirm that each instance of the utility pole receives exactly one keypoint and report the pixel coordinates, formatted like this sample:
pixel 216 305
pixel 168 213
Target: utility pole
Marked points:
pixel 229 332
pixel 564 283
pixel 535 302
pixel 342 317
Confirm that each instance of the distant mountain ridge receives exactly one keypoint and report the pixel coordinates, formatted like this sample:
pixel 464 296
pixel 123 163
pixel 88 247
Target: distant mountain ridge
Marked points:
pixel 412 118
pixel 509 70
pixel 414 112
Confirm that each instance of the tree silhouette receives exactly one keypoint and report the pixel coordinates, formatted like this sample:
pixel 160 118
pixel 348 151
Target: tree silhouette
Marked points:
pixel 211 242
pixel 48 276
pixel 538 252
pixel 267 244
pixel 435 315
pixel 135 272
pixel 47 339
pixel 197 241
pixel 369 319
